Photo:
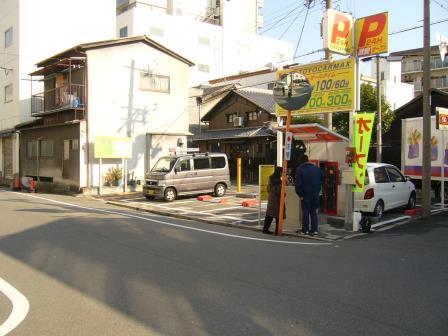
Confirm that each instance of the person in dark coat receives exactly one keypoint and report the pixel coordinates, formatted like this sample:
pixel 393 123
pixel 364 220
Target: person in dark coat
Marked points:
pixel 273 208
pixel 309 180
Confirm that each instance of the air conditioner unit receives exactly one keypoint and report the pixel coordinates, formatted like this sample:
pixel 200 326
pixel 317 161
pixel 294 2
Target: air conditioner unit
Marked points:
pixel 238 121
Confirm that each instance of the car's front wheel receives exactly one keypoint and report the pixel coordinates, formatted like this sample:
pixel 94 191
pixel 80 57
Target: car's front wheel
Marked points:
pixel 220 189
pixel 170 194
pixel 379 209
pixel 412 201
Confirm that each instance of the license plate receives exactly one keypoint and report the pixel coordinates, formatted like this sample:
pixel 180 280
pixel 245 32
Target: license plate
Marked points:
pixel 150 192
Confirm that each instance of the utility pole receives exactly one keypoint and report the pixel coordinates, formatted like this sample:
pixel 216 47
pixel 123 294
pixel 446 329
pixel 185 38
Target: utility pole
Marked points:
pixel 426 174
pixel 328 116
pixel 379 136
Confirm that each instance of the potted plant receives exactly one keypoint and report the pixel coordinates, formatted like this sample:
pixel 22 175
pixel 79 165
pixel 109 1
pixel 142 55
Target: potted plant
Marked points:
pixel 113 176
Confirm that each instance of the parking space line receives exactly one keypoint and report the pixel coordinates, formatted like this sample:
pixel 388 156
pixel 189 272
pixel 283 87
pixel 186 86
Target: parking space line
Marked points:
pixel 221 209
pixel 200 213
pixel 390 221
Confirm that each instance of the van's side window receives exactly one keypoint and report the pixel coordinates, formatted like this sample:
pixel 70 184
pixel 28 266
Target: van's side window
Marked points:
pixel 185 165
pixel 201 163
pixel 218 162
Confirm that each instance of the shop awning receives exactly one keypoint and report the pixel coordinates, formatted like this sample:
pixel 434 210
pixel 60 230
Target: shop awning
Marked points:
pixel 314 133
pixel 234 133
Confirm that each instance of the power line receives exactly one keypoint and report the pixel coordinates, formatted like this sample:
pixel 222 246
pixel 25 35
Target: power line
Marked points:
pixel 301 32
pixel 292 22
pixel 416 27
pixel 441 5
pixel 272 25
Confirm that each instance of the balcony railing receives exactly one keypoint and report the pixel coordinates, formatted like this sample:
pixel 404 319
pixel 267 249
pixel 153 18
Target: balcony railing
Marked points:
pixel 57 99
pixel 416 66
pixel 438 83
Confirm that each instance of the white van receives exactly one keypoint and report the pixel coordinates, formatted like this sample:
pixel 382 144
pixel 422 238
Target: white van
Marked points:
pixel 187 174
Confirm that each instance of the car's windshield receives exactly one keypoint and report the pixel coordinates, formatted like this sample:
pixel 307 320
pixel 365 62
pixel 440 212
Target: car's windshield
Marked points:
pixel 164 165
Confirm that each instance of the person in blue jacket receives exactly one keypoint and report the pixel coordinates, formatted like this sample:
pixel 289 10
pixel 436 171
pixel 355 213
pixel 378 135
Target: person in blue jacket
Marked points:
pixel 309 180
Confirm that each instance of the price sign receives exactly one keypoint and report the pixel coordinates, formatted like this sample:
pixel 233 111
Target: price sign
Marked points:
pixel 442 118
pixel 332 85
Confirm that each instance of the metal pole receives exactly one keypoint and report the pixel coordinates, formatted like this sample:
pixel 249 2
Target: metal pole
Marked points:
pixel 99 177
pixel 284 171
pixel 426 174
pixel 238 174
pixel 442 187
pixel 328 117
pixel 379 141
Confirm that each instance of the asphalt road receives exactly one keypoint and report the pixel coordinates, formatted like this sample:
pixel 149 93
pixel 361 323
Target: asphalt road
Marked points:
pixel 107 271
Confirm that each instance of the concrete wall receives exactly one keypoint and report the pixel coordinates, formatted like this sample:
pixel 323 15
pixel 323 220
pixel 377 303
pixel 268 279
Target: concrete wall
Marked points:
pixel 123 109
pixel 227 52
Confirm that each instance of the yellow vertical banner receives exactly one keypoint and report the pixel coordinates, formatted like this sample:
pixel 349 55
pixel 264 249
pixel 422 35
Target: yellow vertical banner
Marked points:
pixel 364 123
pixel 264 172
pixel 238 174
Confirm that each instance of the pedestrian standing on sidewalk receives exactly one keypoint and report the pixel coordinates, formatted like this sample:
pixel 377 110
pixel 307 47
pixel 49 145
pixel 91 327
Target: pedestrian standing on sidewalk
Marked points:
pixel 309 180
pixel 273 208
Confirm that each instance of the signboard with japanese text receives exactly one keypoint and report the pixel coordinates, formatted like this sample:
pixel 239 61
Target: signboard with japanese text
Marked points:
pixel 364 123
pixel 371 35
pixel 288 137
pixel 264 172
pixel 333 87
pixel 442 118
pixel 107 147
pixel 337 32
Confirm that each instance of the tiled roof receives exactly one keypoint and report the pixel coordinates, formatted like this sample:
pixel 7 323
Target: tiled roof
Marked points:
pixel 246 132
pixel 261 97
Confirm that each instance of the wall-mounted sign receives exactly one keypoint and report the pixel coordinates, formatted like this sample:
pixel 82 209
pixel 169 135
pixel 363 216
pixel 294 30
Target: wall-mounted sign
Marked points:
pixel 442 118
pixel 113 147
pixel 371 35
pixel 332 85
pixel 337 31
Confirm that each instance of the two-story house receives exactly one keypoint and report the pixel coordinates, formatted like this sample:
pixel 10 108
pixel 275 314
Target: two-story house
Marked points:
pixel 241 125
pixel 129 87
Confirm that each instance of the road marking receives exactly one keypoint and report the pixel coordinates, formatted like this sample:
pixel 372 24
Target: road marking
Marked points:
pixel 20 307
pixel 200 213
pixel 221 209
pixel 166 223
pixel 390 221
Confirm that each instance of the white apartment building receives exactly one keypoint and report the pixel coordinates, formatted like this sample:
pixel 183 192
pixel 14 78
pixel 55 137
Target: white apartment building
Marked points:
pixel 391 87
pixel 32 30
pixel 219 36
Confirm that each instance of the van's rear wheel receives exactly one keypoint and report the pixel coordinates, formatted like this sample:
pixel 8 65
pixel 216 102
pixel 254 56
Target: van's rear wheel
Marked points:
pixel 220 189
pixel 170 194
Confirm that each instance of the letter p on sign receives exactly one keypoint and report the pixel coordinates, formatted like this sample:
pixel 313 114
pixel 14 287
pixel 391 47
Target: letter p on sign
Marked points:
pixel 372 35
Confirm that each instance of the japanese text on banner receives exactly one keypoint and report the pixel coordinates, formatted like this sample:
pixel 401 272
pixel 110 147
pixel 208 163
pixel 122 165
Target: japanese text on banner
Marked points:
pixel 363 131
pixel 333 87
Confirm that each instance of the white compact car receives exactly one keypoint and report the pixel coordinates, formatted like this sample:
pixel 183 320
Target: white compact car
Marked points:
pixel 385 188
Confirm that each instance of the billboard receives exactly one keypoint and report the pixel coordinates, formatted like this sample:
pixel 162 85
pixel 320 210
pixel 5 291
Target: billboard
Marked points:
pixel 371 35
pixel 333 87
pixel 337 31
pixel 107 147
